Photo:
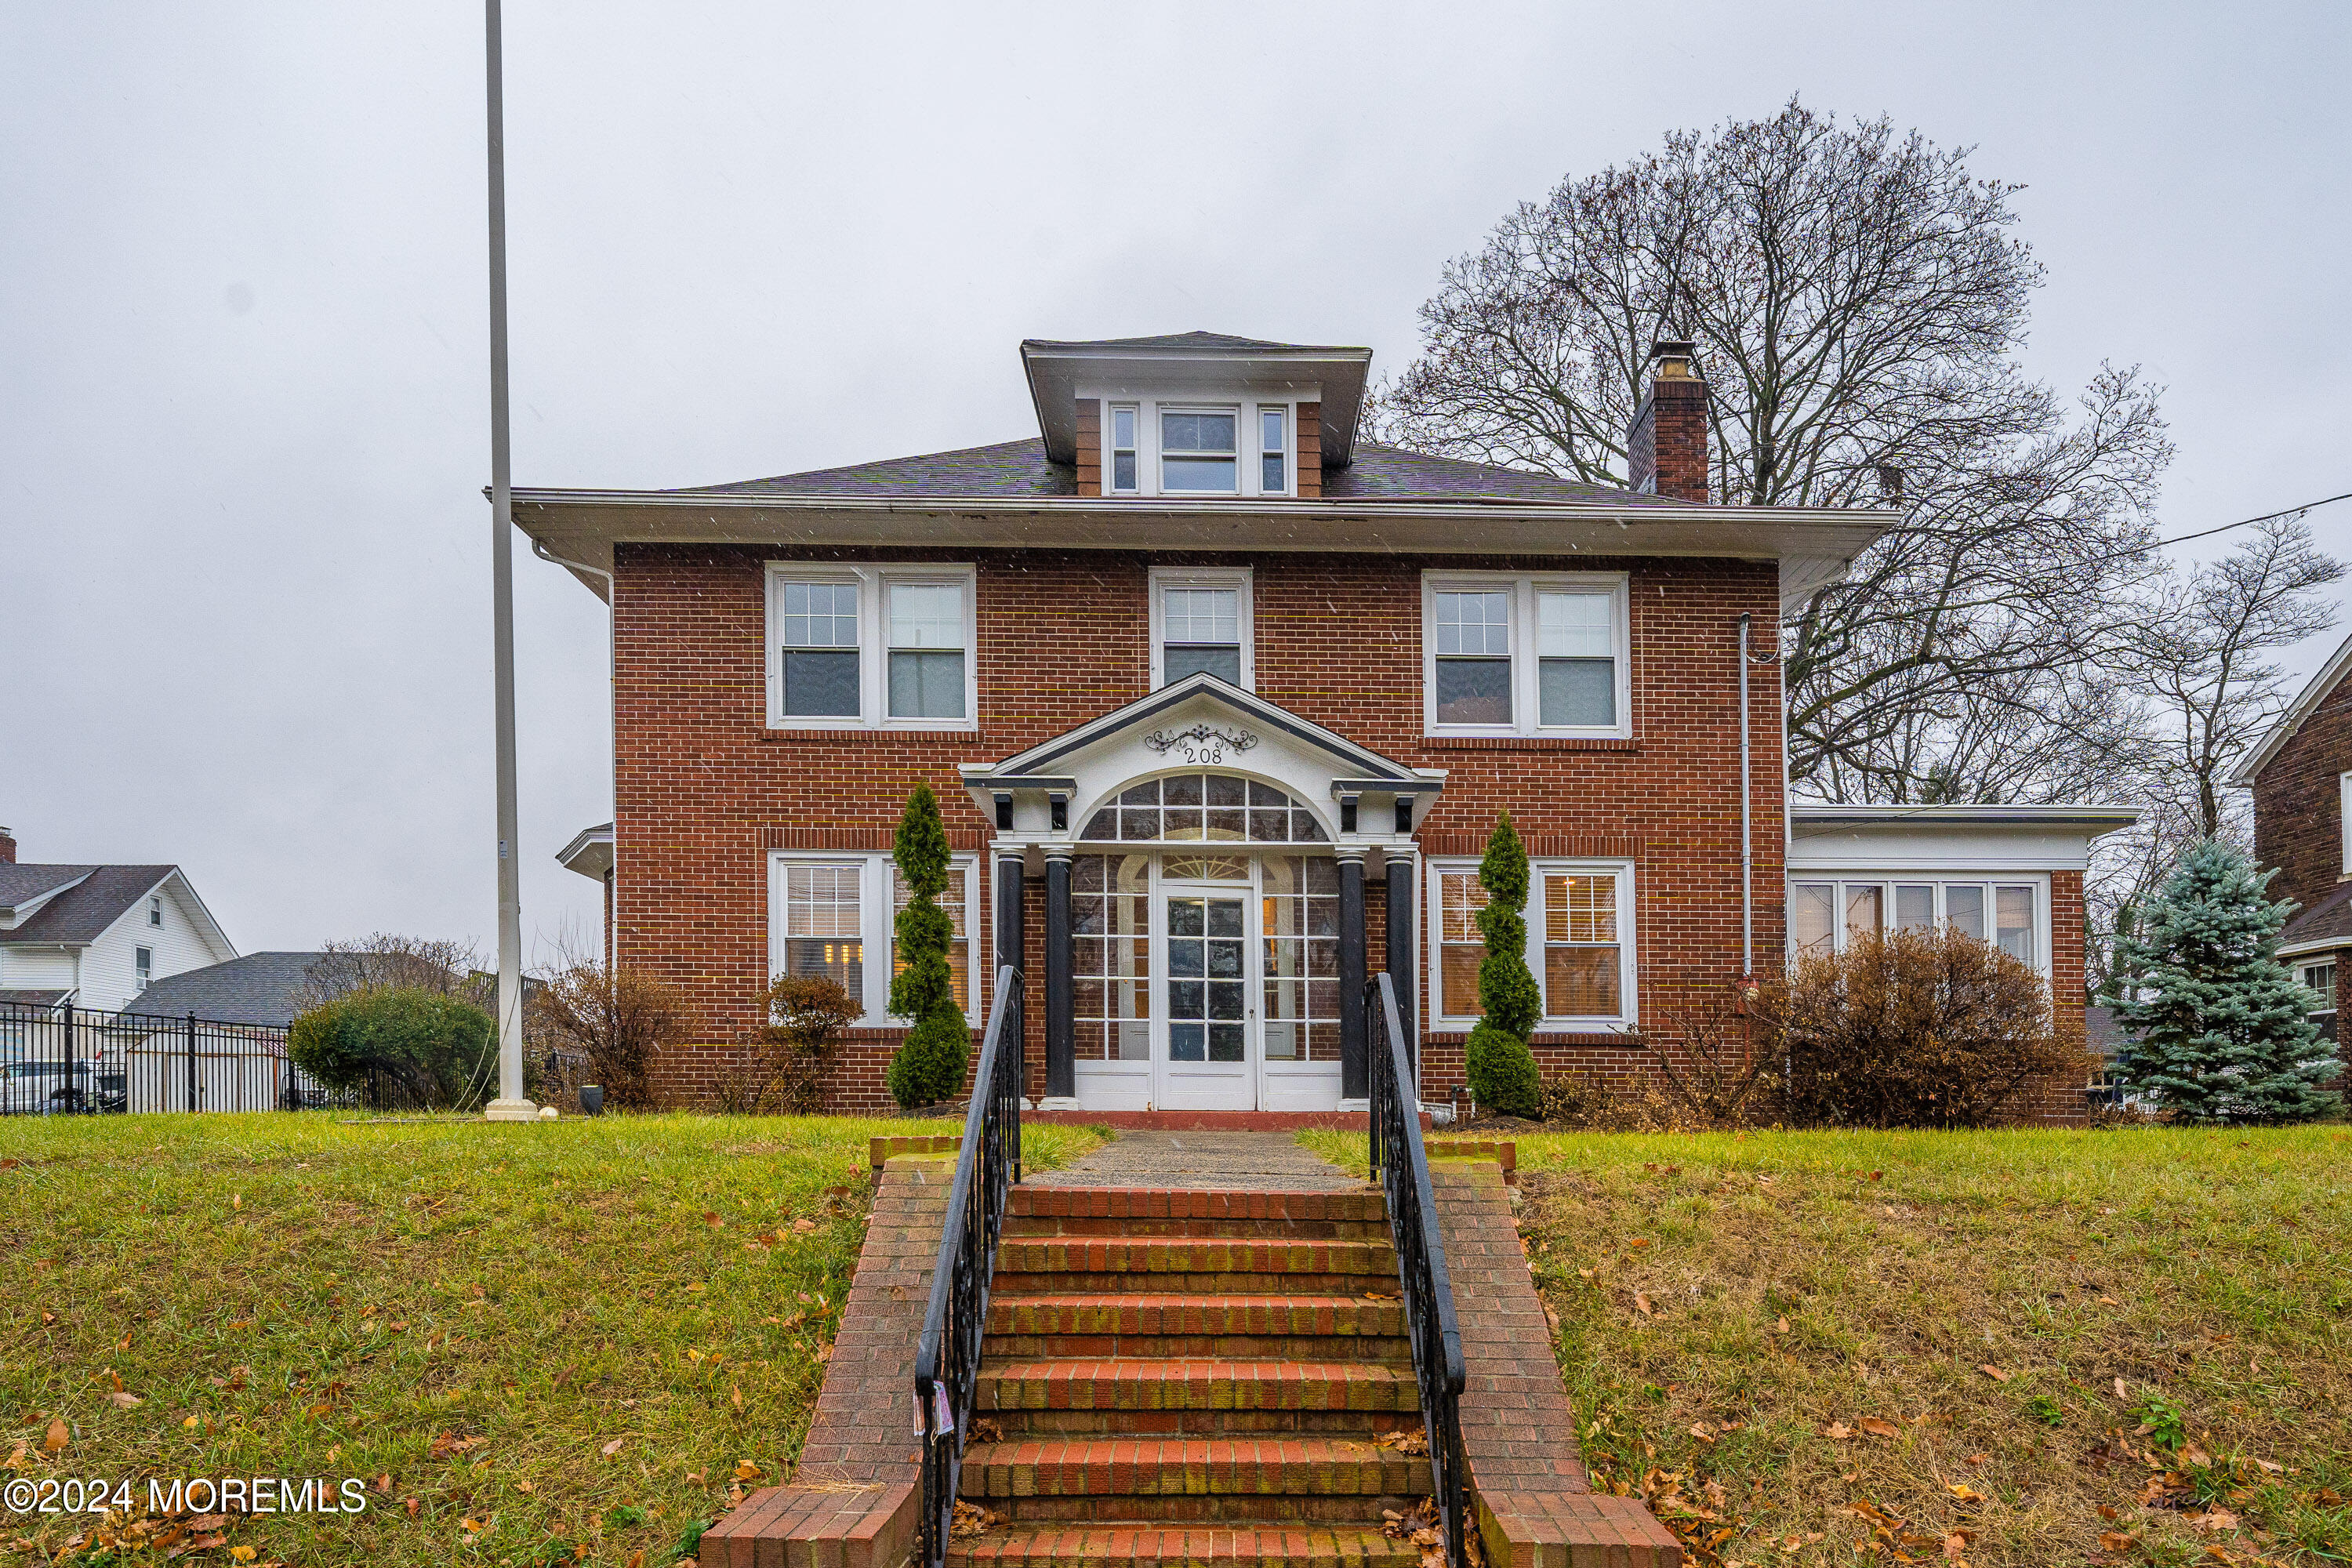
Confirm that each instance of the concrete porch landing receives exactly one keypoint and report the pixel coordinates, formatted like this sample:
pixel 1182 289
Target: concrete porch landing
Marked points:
pixel 1202 1162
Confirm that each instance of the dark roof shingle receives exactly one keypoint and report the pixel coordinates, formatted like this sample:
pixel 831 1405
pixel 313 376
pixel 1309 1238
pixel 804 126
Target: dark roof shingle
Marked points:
pixel 1019 469
pixel 258 988
pixel 82 912
pixel 2330 917
pixel 21 883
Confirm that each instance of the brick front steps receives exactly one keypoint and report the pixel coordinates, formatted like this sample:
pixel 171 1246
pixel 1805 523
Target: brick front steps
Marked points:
pixel 1193 1380
pixel 1218 1361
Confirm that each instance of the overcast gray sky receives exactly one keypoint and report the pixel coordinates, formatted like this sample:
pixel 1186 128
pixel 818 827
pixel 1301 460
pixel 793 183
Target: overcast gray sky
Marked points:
pixel 244 559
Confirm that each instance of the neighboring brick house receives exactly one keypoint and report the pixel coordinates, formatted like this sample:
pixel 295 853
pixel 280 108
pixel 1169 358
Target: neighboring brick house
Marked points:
pixel 2301 774
pixel 1222 701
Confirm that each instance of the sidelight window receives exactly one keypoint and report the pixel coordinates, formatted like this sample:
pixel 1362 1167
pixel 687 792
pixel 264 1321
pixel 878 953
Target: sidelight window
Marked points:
pixel 1111 924
pixel 1300 920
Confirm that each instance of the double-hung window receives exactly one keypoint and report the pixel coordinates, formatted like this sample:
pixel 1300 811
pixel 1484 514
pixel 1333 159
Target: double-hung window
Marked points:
pixel 1826 916
pixel 827 913
pixel 155 909
pixel 2320 980
pixel 1124 419
pixel 870 647
pixel 1580 922
pixel 1200 621
pixel 1273 450
pixel 1199 453
pixel 1525 655
pixel 144 962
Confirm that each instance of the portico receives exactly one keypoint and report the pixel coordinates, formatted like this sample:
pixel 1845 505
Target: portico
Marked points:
pixel 1204 853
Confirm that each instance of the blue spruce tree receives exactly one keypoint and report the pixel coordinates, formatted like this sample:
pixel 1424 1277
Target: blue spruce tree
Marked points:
pixel 2219 1030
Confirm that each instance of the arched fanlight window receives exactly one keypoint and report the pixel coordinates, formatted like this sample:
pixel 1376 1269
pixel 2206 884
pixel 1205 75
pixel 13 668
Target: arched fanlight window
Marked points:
pixel 1217 808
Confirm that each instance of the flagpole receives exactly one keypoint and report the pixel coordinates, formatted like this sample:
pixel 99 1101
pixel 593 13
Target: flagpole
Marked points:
pixel 510 1105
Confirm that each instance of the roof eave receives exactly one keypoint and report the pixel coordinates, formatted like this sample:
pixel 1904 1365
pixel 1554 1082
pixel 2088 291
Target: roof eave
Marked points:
pixel 2338 664
pixel 1343 373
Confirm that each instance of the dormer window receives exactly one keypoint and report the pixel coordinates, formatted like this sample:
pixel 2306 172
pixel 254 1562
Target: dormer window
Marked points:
pixel 1198 453
pixel 1272 452
pixel 1125 419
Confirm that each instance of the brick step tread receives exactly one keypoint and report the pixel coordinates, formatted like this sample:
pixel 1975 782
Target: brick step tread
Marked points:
pixel 1159 1466
pixel 1142 1202
pixel 1220 1282
pixel 1192 1254
pixel 1195 1224
pixel 1144 1545
pixel 1119 1384
pixel 1102 1312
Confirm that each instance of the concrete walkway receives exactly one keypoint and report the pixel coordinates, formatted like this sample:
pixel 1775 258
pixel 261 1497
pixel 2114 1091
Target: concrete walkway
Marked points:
pixel 1193 1161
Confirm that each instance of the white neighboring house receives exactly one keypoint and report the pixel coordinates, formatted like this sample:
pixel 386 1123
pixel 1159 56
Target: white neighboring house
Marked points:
pixel 96 936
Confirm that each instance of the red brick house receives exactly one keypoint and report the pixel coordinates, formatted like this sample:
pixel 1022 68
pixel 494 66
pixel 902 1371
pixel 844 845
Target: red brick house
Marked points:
pixel 2301 775
pixel 1222 700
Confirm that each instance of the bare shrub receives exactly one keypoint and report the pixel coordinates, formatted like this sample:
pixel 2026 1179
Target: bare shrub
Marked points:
pixel 806 1012
pixel 1913 1029
pixel 619 1019
pixel 386 961
pixel 1726 1075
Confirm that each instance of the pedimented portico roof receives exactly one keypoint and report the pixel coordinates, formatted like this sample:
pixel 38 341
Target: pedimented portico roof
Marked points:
pixel 1200 721
pixel 1359 764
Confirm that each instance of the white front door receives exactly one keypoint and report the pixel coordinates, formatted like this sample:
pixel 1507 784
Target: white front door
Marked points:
pixel 1208 1056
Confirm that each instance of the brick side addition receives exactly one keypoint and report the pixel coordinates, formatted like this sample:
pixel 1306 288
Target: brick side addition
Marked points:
pixel 856 1493
pixel 1536 1508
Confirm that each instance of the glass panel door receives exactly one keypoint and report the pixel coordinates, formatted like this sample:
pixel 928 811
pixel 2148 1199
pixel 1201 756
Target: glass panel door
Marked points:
pixel 1208 1056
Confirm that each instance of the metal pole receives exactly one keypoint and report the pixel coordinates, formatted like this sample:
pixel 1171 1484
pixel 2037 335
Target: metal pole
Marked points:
pixel 510 1106
pixel 192 1064
pixel 69 1055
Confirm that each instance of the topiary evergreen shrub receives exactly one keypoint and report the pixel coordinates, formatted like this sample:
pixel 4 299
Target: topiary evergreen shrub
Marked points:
pixel 930 1066
pixel 1500 1067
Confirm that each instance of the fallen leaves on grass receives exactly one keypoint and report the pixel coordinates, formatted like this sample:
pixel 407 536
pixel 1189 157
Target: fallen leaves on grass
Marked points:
pixel 1878 1427
pixel 56 1437
pixel 1992 1371
pixel 610 1448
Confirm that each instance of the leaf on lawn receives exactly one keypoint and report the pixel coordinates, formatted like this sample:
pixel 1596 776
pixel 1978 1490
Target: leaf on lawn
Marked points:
pixel 15 1456
pixel 1878 1428
pixel 2121 1392
pixel 241 1554
pixel 2116 1541
pixel 736 1395
pixel 1837 1430
pixel 411 1504
pixel 802 1227
pixel 1963 1492
pixel 236 1200
pixel 1780 1325
pixel 1698 1430
pixel 470 1525
pixel 637 1558
pixel 124 1401
pixel 1992 1371
pixel 1642 1304
pixel 745 1470
pixel 57 1436
pixel 610 1448
pixel 1639 1241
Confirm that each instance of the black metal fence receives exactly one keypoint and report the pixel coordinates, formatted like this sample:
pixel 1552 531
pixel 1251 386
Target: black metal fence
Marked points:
pixel 79 1061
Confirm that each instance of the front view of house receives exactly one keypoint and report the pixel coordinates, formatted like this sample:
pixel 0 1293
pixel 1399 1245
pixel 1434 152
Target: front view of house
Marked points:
pixel 1222 701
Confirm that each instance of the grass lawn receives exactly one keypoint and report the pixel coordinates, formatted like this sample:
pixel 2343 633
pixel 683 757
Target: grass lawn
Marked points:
pixel 1783 1339
pixel 555 1342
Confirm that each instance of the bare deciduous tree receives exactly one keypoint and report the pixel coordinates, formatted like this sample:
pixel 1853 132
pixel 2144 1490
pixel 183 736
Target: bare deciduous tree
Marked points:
pixel 384 961
pixel 1858 299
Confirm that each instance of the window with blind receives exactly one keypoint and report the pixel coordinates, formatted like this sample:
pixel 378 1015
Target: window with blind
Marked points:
pixel 1579 943
pixel 1826 916
pixel 827 913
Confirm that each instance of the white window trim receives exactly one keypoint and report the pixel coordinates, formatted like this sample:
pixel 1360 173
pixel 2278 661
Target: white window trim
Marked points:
pixel 1242 413
pixel 1162 578
pixel 1885 881
pixel 2344 817
pixel 1242 401
pixel 1111 409
pixel 1626 1021
pixel 1525 692
pixel 876 917
pixel 155 911
pixel 1258 411
pixel 874 584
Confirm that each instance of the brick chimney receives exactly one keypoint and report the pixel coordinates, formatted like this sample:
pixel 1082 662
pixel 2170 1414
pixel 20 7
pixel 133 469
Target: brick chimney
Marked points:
pixel 7 848
pixel 1665 447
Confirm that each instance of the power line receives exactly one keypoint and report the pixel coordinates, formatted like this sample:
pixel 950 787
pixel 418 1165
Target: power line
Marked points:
pixel 2247 522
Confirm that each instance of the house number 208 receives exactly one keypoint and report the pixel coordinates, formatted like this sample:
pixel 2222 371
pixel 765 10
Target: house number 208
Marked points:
pixel 1202 743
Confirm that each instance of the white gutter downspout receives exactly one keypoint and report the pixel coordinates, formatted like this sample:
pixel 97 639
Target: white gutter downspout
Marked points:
pixel 1747 826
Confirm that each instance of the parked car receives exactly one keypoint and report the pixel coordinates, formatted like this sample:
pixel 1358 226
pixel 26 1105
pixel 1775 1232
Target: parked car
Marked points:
pixel 43 1088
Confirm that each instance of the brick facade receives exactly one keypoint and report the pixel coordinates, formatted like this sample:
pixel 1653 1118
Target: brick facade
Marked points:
pixel 2299 803
pixel 702 788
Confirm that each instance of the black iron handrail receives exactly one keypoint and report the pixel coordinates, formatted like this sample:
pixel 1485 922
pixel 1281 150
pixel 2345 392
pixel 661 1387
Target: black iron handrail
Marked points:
pixel 947 1361
pixel 1400 1165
